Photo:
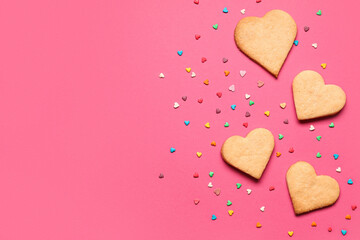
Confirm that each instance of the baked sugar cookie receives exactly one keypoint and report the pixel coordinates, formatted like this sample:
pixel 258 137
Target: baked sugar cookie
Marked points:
pixel 314 99
pixel 250 154
pixel 309 191
pixel 267 40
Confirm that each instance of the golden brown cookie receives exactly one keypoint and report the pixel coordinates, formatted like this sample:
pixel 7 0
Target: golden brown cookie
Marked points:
pixel 250 154
pixel 314 99
pixel 309 191
pixel 267 40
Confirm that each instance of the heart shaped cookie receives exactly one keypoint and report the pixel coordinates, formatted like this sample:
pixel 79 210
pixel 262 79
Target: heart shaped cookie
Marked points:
pixel 250 154
pixel 309 191
pixel 267 40
pixel 313 98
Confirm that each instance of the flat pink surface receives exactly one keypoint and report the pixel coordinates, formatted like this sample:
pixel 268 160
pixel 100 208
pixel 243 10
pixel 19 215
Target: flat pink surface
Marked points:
pixel 86 124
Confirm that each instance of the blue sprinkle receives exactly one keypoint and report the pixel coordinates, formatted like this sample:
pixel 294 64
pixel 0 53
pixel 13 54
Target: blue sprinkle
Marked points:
pixel 187 122
pixel 213 217
pixel 172 150
pixel 225 10
pixel 336 156
pixel 180 52
pixel 296 42
pixel 350 181
pixel 343 232
pixel 233 107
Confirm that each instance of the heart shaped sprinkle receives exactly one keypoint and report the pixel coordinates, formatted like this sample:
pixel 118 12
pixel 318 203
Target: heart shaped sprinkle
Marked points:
pixel 193 75
pixel 176 105
pixel 350 181
pixel 180 53
pixel 213 143
pixel 184 98
pixel 271 188
pixel 329 229
pixel 215 26
pixel 200 100
pixel 242 11
pixel 161 75
pixel 247 114
pixel 318 13
pixel 247 96
pixel 338 170
pixel 309 191
pixel 196 1
pixel 226 124
pixel 172 150
pixel 336 156
pixel 251 103
pixel 207 125
pixel 312 128
pixel 213 217
pixel 248 191
pixel 323 65
pixel 286 121
pixel 278 154
pixel 229 203
pixel 199 154
pixel 306 28
pixel 260 84
pixel 291 233
pixel 291 150
pixel 267 113
pixel 224 60
pixel 218 111
pixel 187 123
pixel 283 105
pixel 233 107
pixel 225 10
pixel 211 174
pixel 161 175
pixel 232 88
pixel 217 191
pixel 318 155
pixel 197 36
pixel 231 212
pixel 196 175
pixel 331 125
pixel 318 138
pixel 206 82
pixel 262 208
pixel 242 73
pixel 245 124
pixel 348 217
pixel 188 69
pixel 281 136
pixel 314 45
pixel 210 185
pixel 238 185
pixel 343 232
pixel 313 224
pixel 296 42
pixel 196 201
pixel 203 59
pixel 219 94
pixel 226 73
pixel 258 225
pixel 353 207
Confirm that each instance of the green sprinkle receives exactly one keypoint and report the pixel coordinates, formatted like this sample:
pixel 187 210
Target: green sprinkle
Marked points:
pixel 226 124
pixel 318 155
pixel 229 203
pixel 332 125
pixel 211 174
pixel 318 138
pixel 215 26
pixel 238 185
pixel 251 103
pixel 281 136
pixel 318 13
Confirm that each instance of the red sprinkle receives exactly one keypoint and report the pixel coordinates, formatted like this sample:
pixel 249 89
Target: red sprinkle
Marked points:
pixel 258 1
pixel 329 229
pixel 271 188
pixel 200 100
pixel 196 175
pixel 353 207
pixel 245 124
pixel 196 1
pixel 197 36
pixel 196 201
pixel 203 59
pixel 219 94
pixel 291 150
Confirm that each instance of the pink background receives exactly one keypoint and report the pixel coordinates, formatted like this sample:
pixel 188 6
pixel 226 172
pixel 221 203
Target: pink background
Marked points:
pixel 86 124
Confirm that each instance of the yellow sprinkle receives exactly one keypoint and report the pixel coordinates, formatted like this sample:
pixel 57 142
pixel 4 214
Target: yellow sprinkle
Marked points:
pixel 278 154
pixel 231 212
pixel 188 69
pixel 206 82
pixel 283 105
pixel 199 154
pixel 207 125
pixel 348 217
pixel 323 65
pixel 258 225
pixel 267 113
pixel 226 73
pixel 291 233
